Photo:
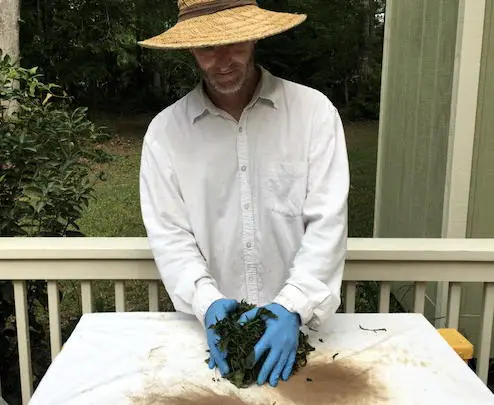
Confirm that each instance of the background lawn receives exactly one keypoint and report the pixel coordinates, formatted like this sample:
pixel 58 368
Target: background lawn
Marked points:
pixel 116 211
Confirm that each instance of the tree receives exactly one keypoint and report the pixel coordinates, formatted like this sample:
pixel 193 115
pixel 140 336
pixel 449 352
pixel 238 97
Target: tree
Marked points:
pixel 90 48
pixel 9 27
pixel 9 33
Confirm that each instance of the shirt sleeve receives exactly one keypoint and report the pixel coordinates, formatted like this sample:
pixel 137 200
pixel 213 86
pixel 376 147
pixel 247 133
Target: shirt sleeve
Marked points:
pixel 180 263
pixel 313 287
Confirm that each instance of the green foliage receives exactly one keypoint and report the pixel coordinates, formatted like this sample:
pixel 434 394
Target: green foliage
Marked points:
pixel 90 48
pixel 337 50
pixel 46 149
pixel 239 340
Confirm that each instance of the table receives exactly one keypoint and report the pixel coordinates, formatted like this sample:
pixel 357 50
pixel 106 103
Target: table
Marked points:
pixel 159 358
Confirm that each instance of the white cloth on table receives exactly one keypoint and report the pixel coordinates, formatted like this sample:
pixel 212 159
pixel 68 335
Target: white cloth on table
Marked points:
pixel 115 358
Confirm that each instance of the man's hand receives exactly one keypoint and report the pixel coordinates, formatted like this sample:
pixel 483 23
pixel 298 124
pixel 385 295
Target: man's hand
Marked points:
pixel 217 311
pixel 281 339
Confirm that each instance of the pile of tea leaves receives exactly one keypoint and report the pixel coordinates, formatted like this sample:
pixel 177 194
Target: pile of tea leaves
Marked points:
pixel 239 341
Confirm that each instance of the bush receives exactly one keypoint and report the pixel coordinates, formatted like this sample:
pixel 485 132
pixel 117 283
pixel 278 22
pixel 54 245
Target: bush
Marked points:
pixel 46 151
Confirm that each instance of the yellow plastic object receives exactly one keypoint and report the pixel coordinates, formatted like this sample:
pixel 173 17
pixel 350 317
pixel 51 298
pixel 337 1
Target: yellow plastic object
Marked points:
pixel 458 342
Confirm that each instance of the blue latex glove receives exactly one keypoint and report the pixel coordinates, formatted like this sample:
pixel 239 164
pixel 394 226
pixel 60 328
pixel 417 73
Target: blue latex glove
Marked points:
pixel 281 339
pixel 217 311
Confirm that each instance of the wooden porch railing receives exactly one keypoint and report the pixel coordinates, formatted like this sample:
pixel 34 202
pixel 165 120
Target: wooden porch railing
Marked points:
pixel 419 261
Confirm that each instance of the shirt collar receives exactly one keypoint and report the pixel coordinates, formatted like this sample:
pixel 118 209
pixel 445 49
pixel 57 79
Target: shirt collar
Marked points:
pixel 268 90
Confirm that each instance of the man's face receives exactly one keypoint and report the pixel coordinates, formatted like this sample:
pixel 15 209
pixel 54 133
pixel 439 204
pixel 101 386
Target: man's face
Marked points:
pixel 226 67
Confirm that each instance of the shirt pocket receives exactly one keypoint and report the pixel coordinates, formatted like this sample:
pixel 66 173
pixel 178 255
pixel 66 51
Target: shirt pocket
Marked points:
pixel 284 186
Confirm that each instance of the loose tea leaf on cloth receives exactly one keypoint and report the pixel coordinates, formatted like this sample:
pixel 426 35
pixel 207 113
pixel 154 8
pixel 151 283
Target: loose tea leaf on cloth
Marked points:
pixel 239 341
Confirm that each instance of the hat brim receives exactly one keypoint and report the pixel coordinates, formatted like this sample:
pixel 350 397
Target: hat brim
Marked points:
pixel 240 24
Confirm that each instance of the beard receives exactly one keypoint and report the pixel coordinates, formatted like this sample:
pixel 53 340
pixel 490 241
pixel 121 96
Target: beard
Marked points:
pixel 230 84
pixel 229 88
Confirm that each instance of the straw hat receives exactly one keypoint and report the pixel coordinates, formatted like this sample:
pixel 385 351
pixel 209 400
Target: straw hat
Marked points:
pixel 218 22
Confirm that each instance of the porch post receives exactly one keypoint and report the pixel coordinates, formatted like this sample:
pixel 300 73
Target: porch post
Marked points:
pixel 464 103
pixel 429 96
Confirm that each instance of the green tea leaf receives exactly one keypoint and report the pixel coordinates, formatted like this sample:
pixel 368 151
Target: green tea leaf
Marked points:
pixel 239 341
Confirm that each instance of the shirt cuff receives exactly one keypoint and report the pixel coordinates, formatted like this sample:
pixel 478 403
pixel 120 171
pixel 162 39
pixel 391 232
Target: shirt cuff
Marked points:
pixel 206 294
pixel 294 300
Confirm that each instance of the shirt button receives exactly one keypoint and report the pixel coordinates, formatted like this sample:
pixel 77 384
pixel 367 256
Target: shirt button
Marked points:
pixel 249 245
pixel 243 168
pixel 246 206
pixel 240 129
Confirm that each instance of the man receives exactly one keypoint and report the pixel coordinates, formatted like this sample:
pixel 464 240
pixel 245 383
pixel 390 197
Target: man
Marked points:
pixel 244 185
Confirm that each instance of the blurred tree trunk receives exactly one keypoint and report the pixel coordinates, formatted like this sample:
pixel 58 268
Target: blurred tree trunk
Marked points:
pixel 9 27
pixel 157 81
pixel 369 19
pixel 9 34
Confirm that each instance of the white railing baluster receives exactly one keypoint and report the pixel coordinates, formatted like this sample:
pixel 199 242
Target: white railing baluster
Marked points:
pixel 486 332
pixel 87 297
pixel 23 341
pixel 419 297
pixel 120 296
pixel 351 290
pixel 153 296
pixel 384 297
pixel 454 302
pixel 54 316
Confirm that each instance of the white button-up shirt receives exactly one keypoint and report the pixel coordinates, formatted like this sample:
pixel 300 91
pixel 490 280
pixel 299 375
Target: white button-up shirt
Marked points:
pixel 254 209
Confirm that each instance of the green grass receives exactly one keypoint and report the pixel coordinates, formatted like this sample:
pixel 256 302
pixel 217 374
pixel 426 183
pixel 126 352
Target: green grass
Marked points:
pixel 116 211
pixel 362 156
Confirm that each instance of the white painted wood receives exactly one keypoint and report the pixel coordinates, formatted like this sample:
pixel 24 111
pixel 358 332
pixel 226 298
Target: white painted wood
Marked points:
pixel 471 15
pixel 441 304
pixel 70 248
pixel 87 297
pixel 24 345
pixel 361 270
pixel 153 289
pixel 384 297
pixel 120 302
pixel 1 399
pixel 54 315
pixel 359 249
pixel 419 297
pixel 418 271
pixel 350 293
pixel 486 332
pixel 470 32
pixel 454 305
